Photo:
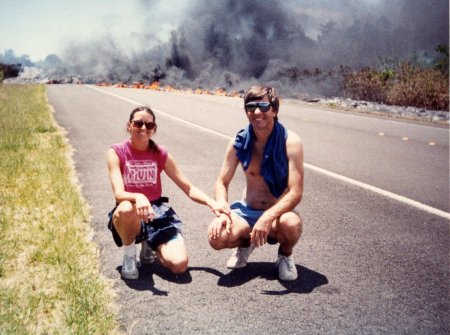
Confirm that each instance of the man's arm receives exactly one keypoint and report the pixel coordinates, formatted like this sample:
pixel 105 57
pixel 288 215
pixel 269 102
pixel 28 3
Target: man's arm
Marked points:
pixel 226 174
pixel 288 200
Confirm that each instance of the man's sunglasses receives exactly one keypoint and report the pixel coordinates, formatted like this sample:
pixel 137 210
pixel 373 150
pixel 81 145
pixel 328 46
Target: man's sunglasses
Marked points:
pixel 140 123
pixel 263 106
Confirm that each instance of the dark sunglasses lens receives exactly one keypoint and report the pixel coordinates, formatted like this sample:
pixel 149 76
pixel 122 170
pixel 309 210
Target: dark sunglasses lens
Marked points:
pixel 138 124
pixel 250 108
pixel 264 108
pixel 150 125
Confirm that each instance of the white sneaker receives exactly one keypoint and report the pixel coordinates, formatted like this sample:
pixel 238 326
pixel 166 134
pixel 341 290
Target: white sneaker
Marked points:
pixel 238 258
pixel 147 254
pixel 129 268
pixel 286 268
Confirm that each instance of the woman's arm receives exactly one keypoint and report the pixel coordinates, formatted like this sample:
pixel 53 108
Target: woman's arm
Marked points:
pixel 193 192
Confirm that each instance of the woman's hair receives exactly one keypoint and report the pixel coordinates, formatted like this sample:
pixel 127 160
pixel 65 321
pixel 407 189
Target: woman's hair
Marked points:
pixel 258 92
pixel 152 146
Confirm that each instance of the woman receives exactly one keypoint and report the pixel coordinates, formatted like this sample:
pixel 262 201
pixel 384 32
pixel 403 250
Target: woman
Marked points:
pixel 141 214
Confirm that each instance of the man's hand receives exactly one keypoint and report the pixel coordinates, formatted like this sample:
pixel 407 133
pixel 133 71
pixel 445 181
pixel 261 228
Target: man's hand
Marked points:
pixel 215 227
pixel 144 209
pixel 260 231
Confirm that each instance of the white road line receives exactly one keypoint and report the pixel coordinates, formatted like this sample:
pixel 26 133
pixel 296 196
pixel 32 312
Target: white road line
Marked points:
pixel 160 112
pixel 351 181
pixel 380 191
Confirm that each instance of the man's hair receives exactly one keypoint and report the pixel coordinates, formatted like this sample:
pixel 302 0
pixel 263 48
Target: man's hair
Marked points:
pixel 258 92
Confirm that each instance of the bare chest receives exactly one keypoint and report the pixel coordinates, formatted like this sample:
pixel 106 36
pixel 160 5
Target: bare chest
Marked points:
pixel 254 168
pixel 257 193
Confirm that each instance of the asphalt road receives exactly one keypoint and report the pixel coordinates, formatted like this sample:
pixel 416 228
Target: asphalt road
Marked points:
pixel 368 263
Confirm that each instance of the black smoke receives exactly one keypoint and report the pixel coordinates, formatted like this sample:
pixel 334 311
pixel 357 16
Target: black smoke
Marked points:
pixel 296 45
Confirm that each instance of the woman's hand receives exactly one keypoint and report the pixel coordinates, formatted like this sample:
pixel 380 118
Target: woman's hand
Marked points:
pixel 144 209
pixel 218 207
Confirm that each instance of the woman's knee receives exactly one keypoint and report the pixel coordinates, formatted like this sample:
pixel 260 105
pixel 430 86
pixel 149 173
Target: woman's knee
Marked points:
pixel 178 265
pixel 125 216
pixel 124 212
pixel 174 256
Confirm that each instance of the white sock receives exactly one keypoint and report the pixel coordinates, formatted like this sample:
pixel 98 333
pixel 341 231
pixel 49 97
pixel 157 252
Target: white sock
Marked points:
pixel 129 250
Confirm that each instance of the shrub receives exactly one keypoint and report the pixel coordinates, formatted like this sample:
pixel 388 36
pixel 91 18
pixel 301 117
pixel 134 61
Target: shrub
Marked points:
pixel 365 84
pixel 403 84
pixel 420 87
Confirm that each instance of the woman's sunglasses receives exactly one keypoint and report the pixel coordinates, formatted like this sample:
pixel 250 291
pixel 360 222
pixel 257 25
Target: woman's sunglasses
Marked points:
pixel 263 106
pixel 140 123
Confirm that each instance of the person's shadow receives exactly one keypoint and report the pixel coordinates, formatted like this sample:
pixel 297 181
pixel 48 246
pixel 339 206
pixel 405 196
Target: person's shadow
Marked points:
pixel 145 281
pixel 307 280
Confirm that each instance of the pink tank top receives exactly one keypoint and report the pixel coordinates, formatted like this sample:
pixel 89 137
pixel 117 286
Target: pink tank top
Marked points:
pixel 141 170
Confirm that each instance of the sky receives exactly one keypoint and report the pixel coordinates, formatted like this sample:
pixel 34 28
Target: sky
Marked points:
pixel 37 28
pixel 40 27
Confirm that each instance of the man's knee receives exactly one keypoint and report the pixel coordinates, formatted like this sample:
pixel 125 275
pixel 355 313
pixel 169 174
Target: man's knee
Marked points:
pixel 220 242
pixel 239 230
pixel 290 224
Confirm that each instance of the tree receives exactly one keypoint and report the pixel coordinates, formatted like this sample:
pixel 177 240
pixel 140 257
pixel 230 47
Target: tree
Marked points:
pixel 9 57
pixel 10 70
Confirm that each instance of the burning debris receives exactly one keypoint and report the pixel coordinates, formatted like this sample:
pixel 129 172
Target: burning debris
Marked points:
pixel 412 113
pixel 156 86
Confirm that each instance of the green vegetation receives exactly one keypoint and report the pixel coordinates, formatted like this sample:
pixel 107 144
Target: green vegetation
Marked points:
pixel 442 63
pixel 9 71
pixel 403 83
pixel 50 281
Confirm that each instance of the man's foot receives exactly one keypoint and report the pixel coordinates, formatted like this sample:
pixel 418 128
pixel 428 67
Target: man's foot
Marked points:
pixel 286 268
pixel 238 258
pixel 129 268
pixel 147 255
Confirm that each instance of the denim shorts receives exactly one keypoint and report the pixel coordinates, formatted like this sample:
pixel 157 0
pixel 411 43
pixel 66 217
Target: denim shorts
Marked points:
pixel 165 226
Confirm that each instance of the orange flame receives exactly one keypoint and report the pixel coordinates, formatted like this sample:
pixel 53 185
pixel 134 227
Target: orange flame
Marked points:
pixel 155 85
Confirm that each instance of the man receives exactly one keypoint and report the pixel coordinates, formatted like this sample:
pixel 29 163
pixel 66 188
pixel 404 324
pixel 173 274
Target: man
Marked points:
pixel 272 159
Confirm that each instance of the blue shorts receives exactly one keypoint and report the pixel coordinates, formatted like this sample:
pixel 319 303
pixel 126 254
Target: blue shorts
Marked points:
pixel 165 226
pixel 250 215
pixel 241 209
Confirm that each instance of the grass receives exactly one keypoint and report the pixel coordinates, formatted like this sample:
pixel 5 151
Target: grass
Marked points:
pixel 50 281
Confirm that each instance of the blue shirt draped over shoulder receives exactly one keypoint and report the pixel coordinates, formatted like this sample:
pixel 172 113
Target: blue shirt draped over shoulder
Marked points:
pixel 274 165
